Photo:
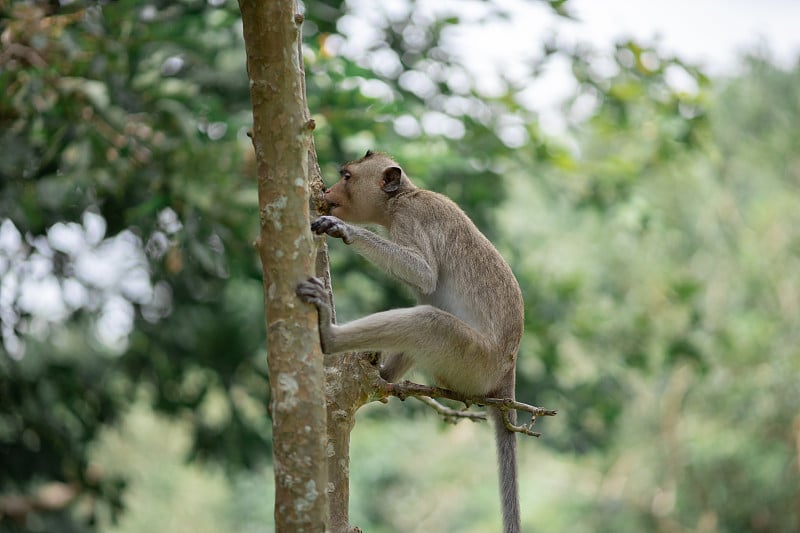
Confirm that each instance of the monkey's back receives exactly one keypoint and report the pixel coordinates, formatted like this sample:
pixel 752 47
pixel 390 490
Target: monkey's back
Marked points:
pixel 474 282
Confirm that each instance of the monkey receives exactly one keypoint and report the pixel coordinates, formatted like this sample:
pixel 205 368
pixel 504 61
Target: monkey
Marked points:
pixel 467 325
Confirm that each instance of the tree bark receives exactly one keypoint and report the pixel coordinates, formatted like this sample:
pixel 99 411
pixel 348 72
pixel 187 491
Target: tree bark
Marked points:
pixel 282 139
pixel 349 384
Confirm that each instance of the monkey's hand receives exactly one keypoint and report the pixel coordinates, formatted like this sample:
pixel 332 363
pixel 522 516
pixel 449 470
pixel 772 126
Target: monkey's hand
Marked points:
pixel 333 227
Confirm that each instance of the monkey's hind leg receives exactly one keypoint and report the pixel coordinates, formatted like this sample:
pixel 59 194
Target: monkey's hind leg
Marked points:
pixel 435 341
pixel 313 291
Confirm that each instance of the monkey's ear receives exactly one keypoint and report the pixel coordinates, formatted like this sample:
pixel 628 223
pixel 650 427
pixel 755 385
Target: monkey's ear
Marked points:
pixel 391 180
pixel 369 153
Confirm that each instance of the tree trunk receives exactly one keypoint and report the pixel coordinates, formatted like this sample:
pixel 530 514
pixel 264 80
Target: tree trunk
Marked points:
pixel 282 139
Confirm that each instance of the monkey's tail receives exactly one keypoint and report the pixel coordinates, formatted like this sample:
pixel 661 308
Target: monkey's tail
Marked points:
pixel 507 461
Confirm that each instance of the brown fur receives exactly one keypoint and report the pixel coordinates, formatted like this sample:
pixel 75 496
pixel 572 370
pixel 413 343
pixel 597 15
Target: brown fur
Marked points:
pixel 465 330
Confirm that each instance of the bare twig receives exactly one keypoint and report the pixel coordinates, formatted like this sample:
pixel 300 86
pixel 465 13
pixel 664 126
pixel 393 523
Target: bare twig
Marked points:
pixel 407 389
pixel 451 416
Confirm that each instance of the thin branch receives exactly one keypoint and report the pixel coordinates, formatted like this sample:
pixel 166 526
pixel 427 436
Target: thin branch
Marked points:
pixel 526 429
pixel 451 416
pixel 407 389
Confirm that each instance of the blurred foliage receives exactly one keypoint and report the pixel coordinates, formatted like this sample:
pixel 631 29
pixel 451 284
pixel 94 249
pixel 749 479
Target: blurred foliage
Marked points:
pixel 136 113
pixel 657 244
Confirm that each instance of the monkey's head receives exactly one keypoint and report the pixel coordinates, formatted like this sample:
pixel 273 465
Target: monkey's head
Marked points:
pixel 365 188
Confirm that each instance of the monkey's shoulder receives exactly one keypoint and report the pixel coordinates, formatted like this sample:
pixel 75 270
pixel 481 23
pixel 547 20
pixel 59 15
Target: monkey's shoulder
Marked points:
pixel 431 221
pixel 431 209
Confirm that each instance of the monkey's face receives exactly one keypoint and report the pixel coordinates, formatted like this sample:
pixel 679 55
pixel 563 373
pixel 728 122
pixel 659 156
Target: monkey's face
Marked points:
pixel 336 198
pixel 360 195
pixel 351 198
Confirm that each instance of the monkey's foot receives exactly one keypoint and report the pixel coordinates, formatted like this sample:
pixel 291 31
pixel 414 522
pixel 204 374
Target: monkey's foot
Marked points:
pixel 312 291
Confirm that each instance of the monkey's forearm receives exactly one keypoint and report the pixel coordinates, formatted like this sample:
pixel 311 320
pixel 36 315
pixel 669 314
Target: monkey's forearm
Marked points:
pixel 404 263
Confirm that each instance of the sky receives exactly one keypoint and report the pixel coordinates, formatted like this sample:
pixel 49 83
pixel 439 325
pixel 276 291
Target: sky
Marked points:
pixel 710 33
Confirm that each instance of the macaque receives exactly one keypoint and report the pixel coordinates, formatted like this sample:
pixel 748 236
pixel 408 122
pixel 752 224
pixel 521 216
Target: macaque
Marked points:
pixel 466 329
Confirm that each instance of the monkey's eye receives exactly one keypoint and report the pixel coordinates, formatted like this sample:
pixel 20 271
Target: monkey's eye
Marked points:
pixel 345 174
